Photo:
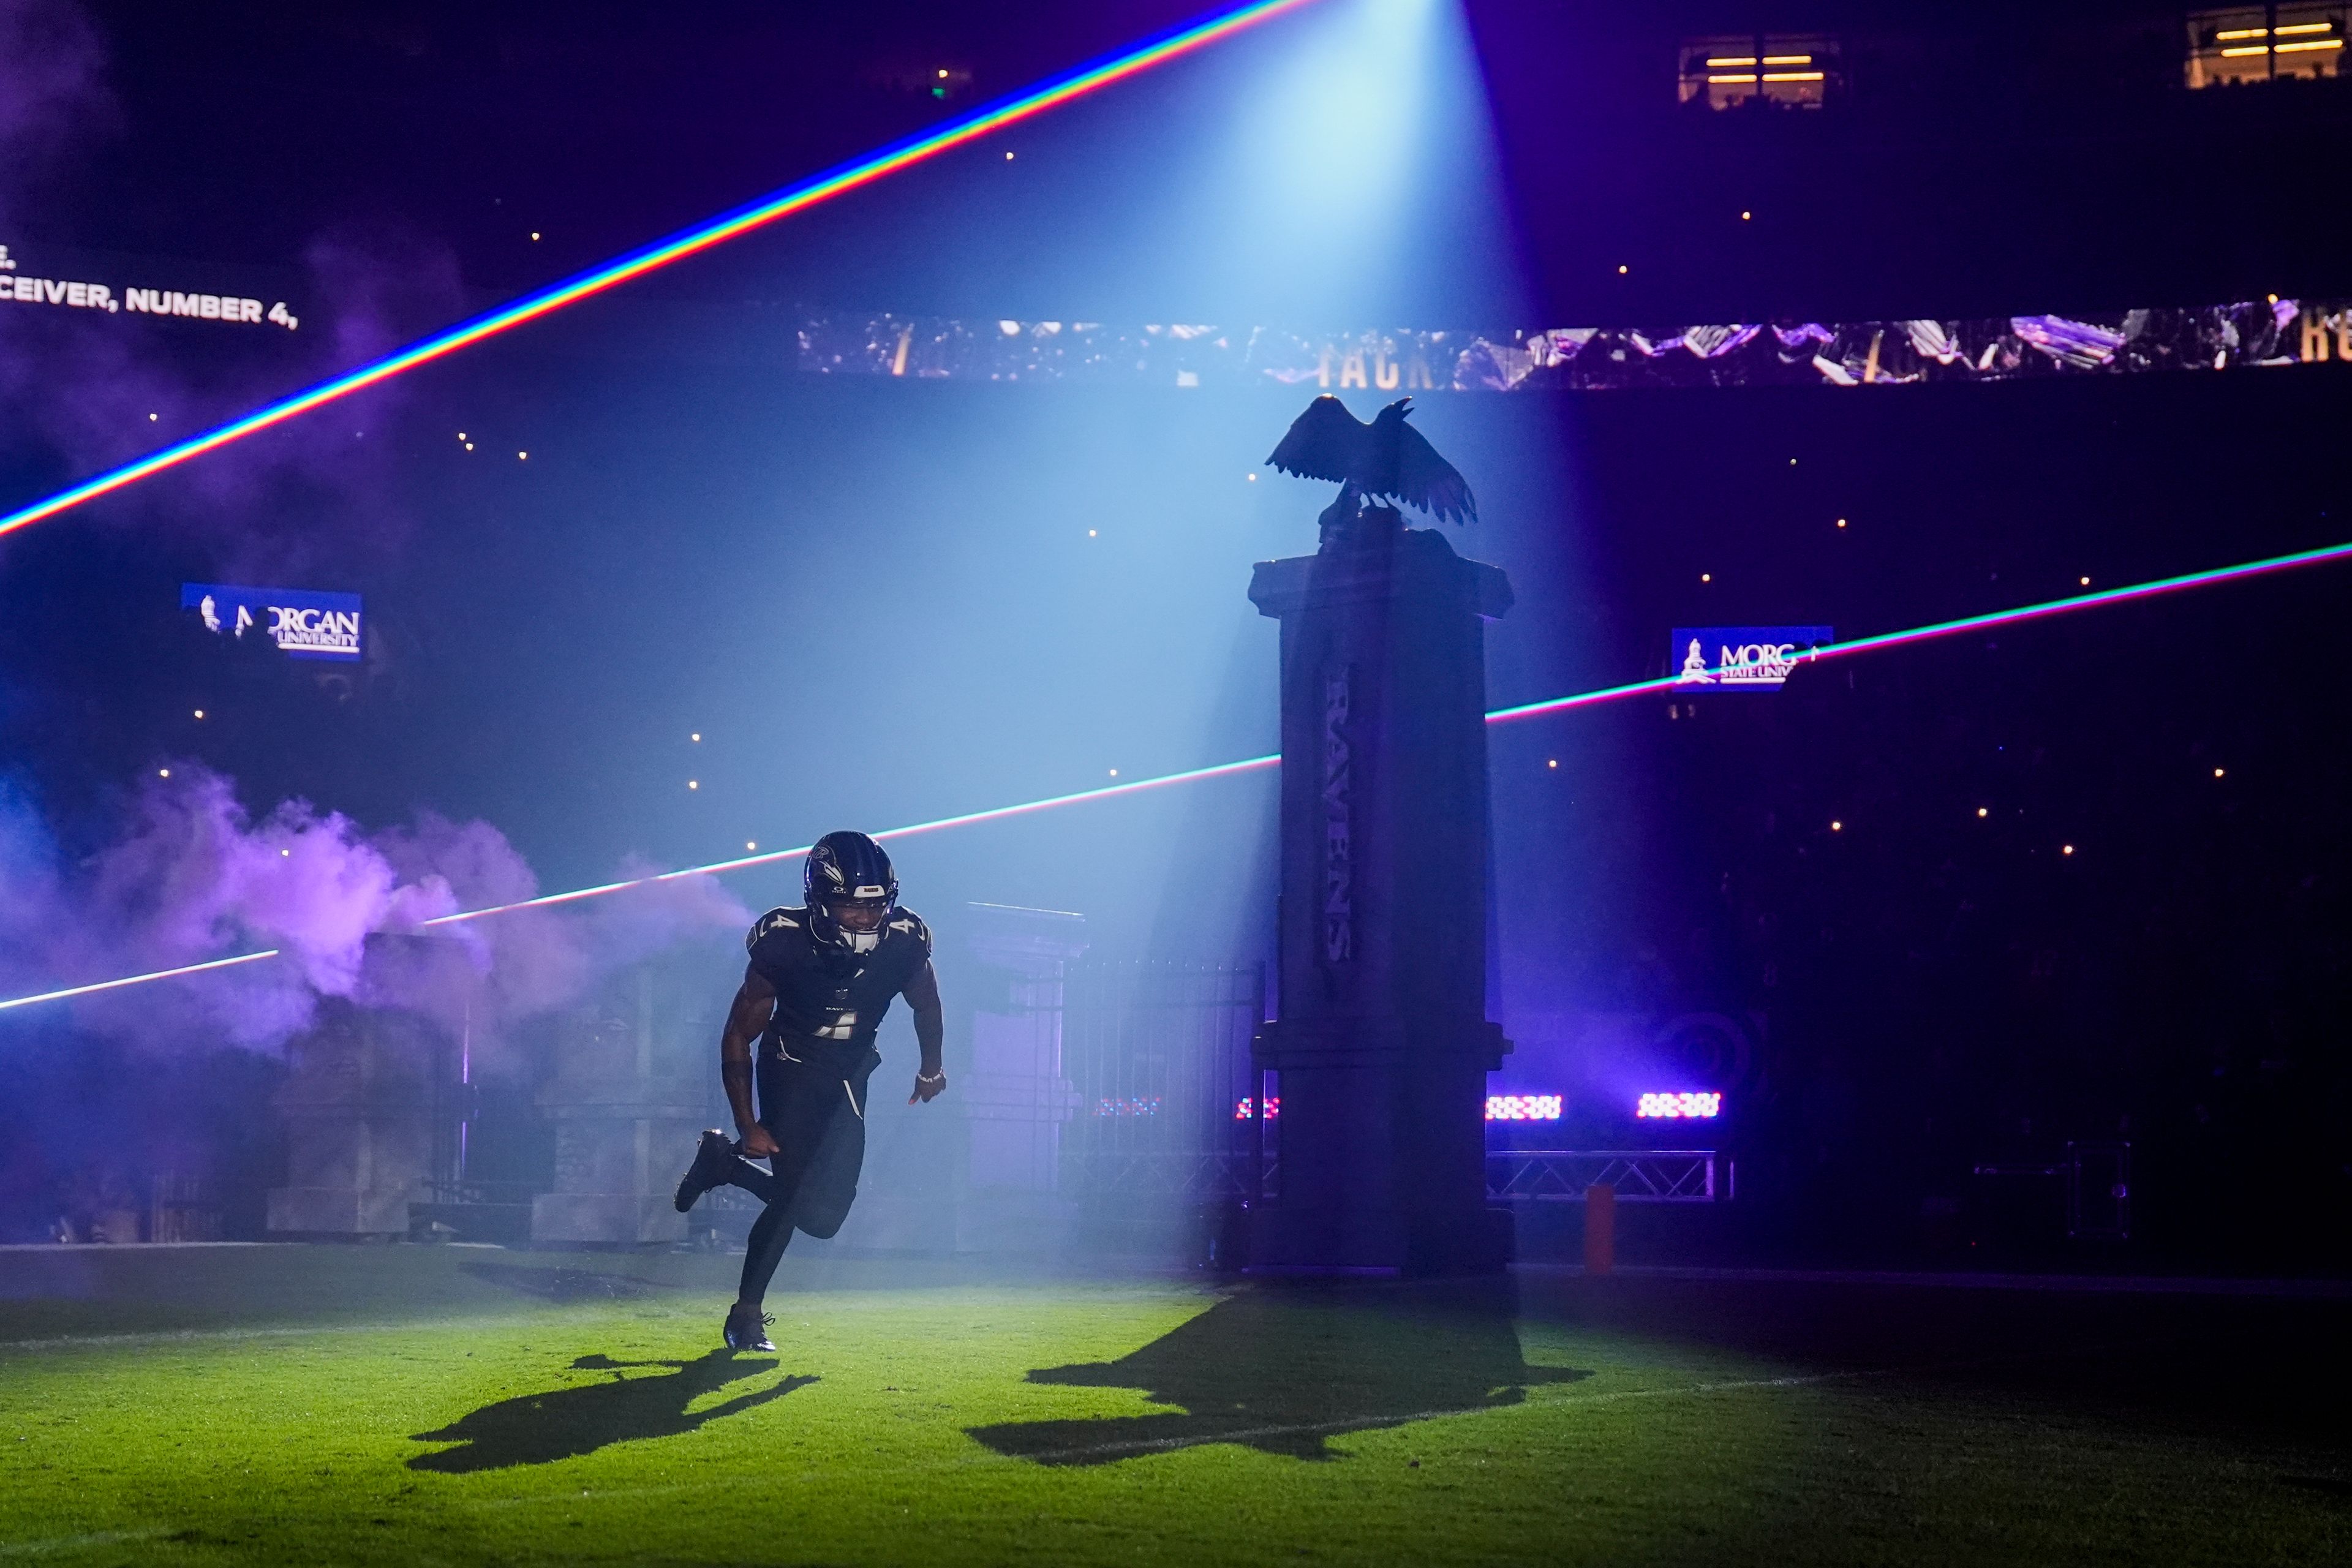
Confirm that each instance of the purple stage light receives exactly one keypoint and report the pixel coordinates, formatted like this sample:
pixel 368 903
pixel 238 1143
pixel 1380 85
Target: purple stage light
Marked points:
pixel 1242 1110
pixel 1679 1105
pixel 1523 1107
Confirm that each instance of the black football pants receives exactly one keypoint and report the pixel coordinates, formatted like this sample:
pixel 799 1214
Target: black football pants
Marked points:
pixel 816 1114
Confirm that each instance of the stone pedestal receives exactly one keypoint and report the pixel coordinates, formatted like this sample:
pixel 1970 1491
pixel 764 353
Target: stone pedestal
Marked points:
pixel 624 1131
pixel 1382 1044
pixel 1013 1097
pixel 358 1108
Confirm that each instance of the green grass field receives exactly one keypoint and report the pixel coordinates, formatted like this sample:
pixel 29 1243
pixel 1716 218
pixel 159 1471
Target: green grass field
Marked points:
pixel 415 1404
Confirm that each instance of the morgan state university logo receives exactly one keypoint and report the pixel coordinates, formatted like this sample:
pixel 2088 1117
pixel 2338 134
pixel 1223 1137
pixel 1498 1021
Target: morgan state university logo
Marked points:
pixel 1749 656
pixel 305 624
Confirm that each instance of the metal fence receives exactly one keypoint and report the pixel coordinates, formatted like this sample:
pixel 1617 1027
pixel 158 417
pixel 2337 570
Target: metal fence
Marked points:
pixel 1167 1102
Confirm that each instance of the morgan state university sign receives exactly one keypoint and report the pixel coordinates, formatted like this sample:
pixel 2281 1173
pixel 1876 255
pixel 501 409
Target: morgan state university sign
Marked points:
pixel 1748 658
pixel 304 624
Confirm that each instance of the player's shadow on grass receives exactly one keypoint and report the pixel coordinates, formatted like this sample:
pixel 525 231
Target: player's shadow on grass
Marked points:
pixel 539 1428
pixel 1285 1371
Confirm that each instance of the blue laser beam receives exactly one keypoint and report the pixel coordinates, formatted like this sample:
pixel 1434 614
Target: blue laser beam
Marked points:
pixel 1050 94
pixel 1254 764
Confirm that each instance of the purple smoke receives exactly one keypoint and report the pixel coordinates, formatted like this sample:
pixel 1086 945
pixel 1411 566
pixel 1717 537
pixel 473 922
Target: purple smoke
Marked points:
pixel 194 876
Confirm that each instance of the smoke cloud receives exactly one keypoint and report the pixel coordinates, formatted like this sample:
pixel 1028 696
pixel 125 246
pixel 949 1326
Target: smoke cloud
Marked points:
pixel 191 875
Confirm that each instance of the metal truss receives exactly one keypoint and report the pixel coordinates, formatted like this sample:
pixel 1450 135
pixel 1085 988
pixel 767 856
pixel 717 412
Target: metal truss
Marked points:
pixel 1638 1177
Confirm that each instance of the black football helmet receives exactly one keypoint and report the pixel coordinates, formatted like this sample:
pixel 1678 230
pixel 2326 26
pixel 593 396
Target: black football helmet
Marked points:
pixel 846 865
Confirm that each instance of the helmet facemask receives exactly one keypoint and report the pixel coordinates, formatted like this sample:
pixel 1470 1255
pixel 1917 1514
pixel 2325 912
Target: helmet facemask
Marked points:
pixel 855 920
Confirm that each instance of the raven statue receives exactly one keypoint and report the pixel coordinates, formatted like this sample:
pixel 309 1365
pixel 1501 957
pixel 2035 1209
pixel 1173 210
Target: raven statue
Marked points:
pixel 1387 457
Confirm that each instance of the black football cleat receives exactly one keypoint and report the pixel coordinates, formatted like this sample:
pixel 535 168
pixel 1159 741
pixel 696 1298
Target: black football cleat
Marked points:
pixel 711 1157
pixel 746 1328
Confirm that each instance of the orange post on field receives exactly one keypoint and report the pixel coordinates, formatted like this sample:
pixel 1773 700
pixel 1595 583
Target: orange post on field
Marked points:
pixel 1600 1229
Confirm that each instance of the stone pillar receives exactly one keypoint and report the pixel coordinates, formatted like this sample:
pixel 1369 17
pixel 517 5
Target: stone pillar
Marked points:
pixel 623 1130
pixel 1013 1097
pixel 1382 1044
pixel 359 1124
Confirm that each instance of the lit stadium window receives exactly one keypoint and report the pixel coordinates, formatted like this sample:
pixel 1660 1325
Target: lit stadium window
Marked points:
pixel 1793 70
pixel 2262 43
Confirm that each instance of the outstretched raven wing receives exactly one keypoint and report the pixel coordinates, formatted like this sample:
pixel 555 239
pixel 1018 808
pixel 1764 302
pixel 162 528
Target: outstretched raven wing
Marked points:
pixel 1324 443
pixel 1428 481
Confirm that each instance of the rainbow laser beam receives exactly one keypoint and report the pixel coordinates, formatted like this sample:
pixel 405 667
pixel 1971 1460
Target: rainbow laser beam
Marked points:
pixel 1051 94
pixel 1952 628
pixel 1254 764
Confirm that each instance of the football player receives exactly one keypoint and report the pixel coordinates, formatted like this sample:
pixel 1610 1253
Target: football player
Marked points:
pixel 820 979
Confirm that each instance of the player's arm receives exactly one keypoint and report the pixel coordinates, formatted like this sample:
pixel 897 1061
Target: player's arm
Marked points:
pixel 754 1005
pixel 922 994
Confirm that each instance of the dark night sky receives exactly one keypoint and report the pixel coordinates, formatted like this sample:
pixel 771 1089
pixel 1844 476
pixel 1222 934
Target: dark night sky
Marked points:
pixel 1985 164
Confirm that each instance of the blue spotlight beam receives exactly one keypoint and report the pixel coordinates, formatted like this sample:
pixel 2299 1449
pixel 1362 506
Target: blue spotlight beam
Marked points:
pixel 1254 764
pixel 1050 94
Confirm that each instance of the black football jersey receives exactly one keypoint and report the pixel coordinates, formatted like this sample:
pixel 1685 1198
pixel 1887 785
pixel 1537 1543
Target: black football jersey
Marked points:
pixel 828 1000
